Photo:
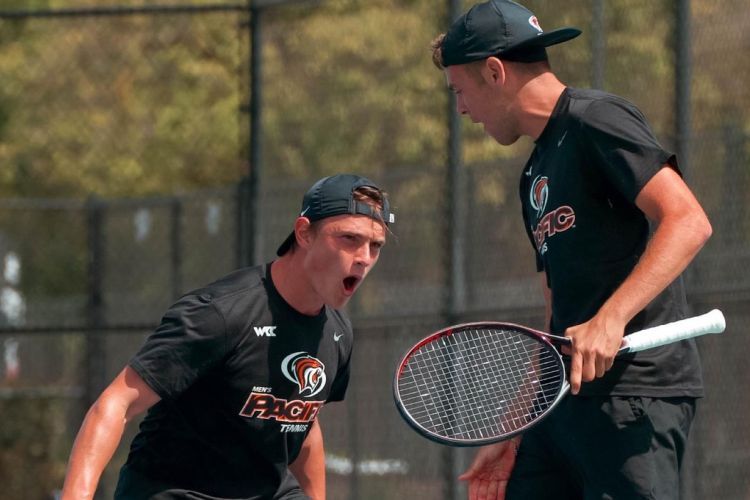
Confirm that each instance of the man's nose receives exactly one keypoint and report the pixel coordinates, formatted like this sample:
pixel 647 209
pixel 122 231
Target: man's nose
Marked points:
pixel 460 107
pixel 365 256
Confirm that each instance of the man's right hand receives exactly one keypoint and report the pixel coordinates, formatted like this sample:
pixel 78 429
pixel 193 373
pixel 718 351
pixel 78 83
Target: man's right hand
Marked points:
pixel 490 471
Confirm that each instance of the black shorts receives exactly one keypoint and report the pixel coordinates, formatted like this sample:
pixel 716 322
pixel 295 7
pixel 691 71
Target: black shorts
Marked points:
pixel 135 484
pixel 604 448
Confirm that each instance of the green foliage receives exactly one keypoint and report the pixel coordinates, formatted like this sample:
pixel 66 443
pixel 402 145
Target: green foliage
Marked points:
pixel 135 105
pixel 33 437
pixel 380 102
pixel 119 106
pixel 53 248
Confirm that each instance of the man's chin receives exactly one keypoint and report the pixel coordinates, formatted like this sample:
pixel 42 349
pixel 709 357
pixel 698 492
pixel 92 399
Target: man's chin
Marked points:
pixel 500 137
pixel 506 141
pixel 338 303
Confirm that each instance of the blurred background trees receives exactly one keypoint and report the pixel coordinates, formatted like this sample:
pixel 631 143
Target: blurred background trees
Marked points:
pixel 135 105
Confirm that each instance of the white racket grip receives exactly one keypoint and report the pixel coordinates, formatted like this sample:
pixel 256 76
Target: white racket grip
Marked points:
pixel 711 322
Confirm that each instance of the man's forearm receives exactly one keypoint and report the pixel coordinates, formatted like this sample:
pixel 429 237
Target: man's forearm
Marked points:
pixel 671 249
pixel 309 467
pixel 94 446
pixel 682 230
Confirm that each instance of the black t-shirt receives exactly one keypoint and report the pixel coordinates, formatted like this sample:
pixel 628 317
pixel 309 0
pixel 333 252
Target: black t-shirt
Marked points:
pixel 242 375
pixel 578 193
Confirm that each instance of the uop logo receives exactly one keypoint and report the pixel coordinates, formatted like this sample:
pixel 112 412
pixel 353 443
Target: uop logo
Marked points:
pixel 538 195
pixel 307 372
pixel 533 21
pixel 556 221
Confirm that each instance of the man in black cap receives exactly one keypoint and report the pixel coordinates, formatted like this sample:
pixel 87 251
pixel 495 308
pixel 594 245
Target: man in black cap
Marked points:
pixel 236 373
pixel 613 226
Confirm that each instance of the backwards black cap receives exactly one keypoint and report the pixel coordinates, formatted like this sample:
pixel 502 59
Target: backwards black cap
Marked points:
pixel 334 195
pixel 499 28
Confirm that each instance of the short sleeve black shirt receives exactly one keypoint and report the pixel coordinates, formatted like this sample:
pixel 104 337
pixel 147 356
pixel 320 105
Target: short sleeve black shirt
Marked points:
pixel 578 193
pixel 242 375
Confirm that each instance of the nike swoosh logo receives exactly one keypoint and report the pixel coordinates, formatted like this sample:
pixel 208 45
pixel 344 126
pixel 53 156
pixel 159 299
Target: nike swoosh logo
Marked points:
pixel 337 336
pixel 559 143
pixel 304 211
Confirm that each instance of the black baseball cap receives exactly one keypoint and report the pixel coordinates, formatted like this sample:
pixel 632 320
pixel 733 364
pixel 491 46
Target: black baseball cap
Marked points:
pixel 334 195
pixel 499 28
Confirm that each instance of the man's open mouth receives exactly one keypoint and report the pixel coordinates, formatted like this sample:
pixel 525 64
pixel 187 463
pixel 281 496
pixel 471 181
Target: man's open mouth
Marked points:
pixel 350 283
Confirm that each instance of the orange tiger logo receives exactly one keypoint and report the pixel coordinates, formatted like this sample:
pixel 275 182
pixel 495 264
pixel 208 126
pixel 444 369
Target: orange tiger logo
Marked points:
pixel 306 371
pixel 538 195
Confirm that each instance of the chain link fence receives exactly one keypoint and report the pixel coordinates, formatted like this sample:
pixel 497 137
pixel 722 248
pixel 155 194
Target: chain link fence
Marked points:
pixel 163 94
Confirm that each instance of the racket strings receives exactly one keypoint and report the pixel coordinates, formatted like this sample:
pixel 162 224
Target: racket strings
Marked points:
pixel 479 383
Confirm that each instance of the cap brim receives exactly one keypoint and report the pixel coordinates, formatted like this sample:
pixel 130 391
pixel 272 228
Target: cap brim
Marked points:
pixel 546 39
pixel 286 245
pixel 529 50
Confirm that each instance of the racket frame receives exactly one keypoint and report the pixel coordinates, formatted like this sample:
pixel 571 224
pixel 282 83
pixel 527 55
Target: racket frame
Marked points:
pixel 708 323
pixel 547 339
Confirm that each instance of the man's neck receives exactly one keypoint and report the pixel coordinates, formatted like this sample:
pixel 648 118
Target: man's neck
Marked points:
pixel 293 285
pixel 536 101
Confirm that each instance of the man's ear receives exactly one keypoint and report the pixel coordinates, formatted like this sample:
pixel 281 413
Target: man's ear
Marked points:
pixel 303 232
pixel 493 71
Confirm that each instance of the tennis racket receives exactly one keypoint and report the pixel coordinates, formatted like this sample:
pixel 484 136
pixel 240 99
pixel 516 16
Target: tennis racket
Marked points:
pixel 479 383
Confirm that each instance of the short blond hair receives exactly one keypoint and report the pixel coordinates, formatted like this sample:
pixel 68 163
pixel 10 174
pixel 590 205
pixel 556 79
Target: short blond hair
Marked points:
pixel 437 51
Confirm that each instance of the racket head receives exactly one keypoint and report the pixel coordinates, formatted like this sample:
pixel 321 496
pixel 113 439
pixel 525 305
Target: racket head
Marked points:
pixel 478 383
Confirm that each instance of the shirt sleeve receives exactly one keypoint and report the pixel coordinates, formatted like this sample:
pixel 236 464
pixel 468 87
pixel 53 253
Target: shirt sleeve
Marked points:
pixel 623 145
pixel 341 382
pixel 189 341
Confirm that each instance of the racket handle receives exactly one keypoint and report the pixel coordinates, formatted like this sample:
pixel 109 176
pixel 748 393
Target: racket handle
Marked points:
pixel 711 322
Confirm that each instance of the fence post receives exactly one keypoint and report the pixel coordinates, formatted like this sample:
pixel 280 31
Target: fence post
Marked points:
pixel 598 44
pixel 455 458
pixel 249 245
pixel 175 242
pixel 353 416
pixel 682 131
pixel 95 352
pixel 244 229
pixel 682 73
pixel 255 174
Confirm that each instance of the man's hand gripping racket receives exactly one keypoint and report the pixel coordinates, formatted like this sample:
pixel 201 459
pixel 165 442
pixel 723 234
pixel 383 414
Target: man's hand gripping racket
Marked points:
pixel 480 383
